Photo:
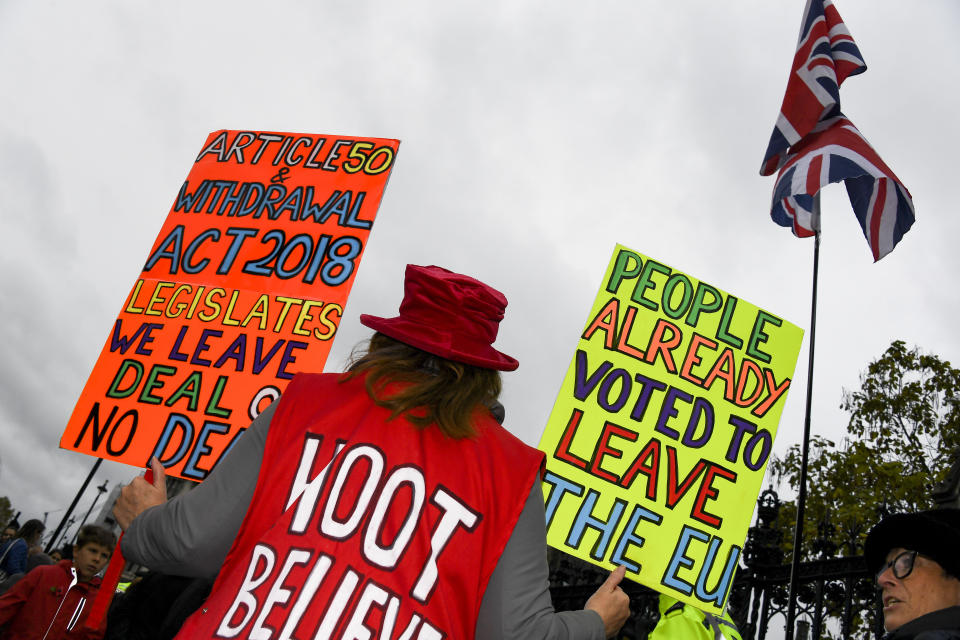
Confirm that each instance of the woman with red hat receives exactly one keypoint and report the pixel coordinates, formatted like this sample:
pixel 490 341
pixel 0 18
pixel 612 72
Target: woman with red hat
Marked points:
pixel 389 501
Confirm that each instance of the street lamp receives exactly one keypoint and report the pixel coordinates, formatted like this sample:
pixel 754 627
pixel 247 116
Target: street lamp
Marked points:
pixel 102 489
pixel 68 524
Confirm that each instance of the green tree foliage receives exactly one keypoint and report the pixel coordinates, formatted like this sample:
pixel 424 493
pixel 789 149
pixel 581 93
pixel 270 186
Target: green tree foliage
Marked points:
pixel 838 514
pixel 903 434
pixel 908 409
pixel 6 511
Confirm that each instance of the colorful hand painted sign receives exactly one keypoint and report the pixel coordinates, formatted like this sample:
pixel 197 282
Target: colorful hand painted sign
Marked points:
pixel 657 444
pixel 244 286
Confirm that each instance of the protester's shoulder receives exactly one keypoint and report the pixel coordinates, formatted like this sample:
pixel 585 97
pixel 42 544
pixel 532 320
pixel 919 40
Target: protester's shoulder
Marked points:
pixel 486 426
pixel 489 429
pixel 309 386
pixel 311 383
pixel 50 571
pixel 939 625
pixel 314 379
pixel 13 547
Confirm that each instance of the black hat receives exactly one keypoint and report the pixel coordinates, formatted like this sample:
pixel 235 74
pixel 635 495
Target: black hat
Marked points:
pixel 935 534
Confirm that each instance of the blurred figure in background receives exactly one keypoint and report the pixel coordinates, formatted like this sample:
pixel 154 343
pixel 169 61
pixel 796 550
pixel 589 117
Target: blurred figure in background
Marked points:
pixel 52 602
pixel 13 553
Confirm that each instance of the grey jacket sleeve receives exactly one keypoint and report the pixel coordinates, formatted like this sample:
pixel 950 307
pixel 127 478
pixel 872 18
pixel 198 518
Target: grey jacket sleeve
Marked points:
pixel 517 602
pixel 191 534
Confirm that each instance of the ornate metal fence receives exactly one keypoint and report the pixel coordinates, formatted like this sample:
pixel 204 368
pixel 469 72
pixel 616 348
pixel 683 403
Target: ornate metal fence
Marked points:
pixel 836 596
pixel 572 581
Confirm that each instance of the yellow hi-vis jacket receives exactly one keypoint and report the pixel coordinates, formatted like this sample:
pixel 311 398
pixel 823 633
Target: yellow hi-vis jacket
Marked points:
pixel 679 620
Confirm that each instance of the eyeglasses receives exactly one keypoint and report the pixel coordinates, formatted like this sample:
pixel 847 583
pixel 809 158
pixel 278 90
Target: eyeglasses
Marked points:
pixel 902 565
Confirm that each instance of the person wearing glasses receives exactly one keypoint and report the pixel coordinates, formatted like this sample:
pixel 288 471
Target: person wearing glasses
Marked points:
pixel 916 560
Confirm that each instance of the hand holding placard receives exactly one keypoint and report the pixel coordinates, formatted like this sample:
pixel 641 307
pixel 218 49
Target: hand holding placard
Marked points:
pixel 140 495
pixel 111 577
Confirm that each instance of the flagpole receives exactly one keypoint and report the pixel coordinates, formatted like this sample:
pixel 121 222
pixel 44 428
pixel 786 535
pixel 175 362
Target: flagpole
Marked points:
pixel 802 497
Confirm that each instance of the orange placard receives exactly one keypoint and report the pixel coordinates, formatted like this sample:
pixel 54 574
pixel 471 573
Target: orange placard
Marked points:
pixel 244 286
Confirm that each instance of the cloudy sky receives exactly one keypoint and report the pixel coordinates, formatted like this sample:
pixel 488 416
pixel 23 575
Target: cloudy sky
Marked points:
pixel 535 136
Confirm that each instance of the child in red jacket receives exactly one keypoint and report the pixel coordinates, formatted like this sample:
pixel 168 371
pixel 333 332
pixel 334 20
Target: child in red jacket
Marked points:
pixel 53 601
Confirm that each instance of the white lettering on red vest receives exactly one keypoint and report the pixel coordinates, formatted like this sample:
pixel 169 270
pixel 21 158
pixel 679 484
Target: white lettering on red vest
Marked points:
pixel 455 514
pixel 310 587
pixel 307 491
pixel 329 525
pixel 338 604
pixel 356 629
pixel 344 514
pixel 338 609
pixel 278 594
pixel 244 597
pixel 387 557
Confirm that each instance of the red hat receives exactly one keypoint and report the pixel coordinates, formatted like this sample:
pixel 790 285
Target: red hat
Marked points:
pixel 449 315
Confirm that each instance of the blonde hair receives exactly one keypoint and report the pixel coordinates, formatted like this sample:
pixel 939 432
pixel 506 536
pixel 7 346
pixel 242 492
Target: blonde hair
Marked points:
pixel 424 388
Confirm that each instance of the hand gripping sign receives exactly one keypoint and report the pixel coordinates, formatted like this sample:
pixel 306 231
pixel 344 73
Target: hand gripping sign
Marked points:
pixel 657 444
pixel 244 286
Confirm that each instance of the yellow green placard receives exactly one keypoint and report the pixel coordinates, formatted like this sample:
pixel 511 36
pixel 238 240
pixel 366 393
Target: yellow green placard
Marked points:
pixel 657 444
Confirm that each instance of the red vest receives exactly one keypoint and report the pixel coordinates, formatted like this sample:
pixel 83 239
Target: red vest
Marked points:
pixel 364 527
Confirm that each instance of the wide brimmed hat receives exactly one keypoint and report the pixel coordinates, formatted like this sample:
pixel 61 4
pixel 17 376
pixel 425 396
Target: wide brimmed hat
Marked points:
pixel 934 533
pixel 449 315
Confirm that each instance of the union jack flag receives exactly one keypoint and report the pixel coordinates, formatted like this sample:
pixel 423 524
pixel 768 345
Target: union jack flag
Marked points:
pixel 835 150
pixel 826 56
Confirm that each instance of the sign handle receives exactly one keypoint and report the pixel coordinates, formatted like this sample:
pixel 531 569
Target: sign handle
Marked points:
pixel 111 578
